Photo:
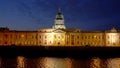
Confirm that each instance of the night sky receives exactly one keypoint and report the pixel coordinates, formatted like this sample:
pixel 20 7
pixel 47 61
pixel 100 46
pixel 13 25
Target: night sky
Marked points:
pixel 83 14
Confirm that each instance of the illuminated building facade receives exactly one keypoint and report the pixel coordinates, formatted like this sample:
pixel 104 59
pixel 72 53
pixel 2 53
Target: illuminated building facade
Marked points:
pixel 59 21
pixel 59 35
pixel 12 37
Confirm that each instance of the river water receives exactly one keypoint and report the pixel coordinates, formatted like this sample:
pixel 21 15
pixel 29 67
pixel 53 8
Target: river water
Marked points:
pixel 55 62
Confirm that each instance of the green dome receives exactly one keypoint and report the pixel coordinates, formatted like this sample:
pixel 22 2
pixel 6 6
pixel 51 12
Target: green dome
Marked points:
pixel 59 16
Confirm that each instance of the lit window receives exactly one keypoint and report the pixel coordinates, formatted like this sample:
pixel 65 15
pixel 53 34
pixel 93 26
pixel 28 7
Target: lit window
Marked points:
pixel 22 36
pixel 95 36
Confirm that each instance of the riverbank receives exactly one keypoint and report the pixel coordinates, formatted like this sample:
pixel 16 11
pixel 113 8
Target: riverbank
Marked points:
pixel 58 51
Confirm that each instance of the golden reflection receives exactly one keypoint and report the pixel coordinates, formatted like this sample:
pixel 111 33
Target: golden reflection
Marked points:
pixel 54 63
pixel 68 62
pixel 95 63
pixel 20 62
pixel 113 63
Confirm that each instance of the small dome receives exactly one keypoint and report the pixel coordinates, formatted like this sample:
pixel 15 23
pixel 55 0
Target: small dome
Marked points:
pixel 59 16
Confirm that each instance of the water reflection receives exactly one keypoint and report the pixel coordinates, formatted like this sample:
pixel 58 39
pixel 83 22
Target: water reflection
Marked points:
pixel 113 63
pixel 95 63
pixel 20 62
pixel 54 62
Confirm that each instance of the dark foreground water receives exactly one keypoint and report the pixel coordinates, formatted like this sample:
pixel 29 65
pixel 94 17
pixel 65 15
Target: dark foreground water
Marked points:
pixel 54 62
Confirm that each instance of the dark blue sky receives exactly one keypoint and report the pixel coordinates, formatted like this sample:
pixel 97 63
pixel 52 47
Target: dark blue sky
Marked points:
pixel 83 14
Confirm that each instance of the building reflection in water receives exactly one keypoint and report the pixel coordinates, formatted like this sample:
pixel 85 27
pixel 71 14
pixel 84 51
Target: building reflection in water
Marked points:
pixel 113 63
pixel 20 62
pixel 95 63
pixel 54 62
pixel 48 62
pixel 105 63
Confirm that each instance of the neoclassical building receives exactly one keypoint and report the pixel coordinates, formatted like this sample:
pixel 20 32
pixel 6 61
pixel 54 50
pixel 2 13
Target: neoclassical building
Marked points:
pixel 13 37
pixel 59 35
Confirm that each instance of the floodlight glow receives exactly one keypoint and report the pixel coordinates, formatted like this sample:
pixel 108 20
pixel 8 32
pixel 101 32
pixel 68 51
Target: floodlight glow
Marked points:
pixel 113 38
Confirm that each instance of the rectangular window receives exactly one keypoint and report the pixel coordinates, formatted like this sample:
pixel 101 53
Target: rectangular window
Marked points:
pixel 67 42
pixel 82 37
pixel 45 37
pixel 72 36
pixel 50 42
pixel 72 43
pixel 40 36
pixel 99 37
pixel 78 42
pixel 88 37
pixel 6 36
pixel 39 41
pixel 5 42
pixel 33 37
pixel 62 36
pixel 11 36
pixel 77 37
pixel 54 36
pixel 45 42
pixel 108 37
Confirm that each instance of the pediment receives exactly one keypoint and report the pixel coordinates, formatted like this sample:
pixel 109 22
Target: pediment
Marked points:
pixel 59 31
